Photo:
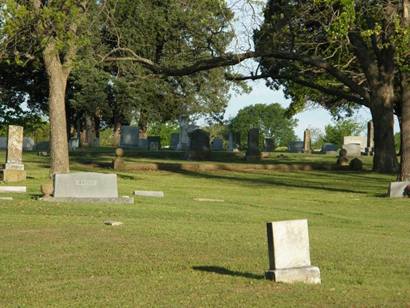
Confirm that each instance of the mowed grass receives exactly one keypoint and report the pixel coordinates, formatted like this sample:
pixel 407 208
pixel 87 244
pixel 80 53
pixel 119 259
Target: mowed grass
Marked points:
pixel 179 252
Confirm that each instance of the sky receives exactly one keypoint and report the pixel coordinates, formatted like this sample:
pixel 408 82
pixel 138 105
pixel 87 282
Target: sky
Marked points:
pixel 246 21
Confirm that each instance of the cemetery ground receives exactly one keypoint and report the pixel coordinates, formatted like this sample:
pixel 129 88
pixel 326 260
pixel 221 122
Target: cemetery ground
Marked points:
pixel 175 251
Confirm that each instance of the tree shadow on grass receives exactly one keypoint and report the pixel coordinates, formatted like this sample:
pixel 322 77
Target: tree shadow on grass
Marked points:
pixel 296 183
pixel 224 271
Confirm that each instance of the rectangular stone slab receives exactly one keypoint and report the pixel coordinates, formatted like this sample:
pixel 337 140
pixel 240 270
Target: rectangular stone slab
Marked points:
pixel 14 189
pixel 120 200
pixel 146 193
pixel 15 144
pixel 85 185
pixel 288 244
pixel 396 189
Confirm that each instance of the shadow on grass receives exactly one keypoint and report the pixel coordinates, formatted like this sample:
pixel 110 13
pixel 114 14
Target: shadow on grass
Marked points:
pixel 224 271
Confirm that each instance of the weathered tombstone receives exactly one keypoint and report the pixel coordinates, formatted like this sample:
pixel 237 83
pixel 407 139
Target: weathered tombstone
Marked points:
pixel 154 143
pixel 174 141
pixel 43 146
pixel 399 189
pixel 73 144
pixel 289 254
pixel 199 148
pixel 356 164
pixel 329 148
pixel 353 149
pixel 253 153
pixel 370 138
pixel 342 160
pixel 269 144
pixel 183 141
pixel 307 143
pixel 217 144
pixel 129 136
pixel 361 140
pixel 295 147
pixel 3 143
pixel 87 187
pixel 147 193
pixel 28 144
pixel 13 169
pixel 230 142
pixel 118 162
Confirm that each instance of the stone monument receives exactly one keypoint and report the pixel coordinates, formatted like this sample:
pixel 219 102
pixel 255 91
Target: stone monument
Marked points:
pixel 118 162
pixel 295 147
pixel 269 144
pixel 217 144
pixel 329 148
pixel 183 141
pixel 353 149
pixel 370 138
pixel 13 169
pixel 289 255
pixel 253 153
pixel 86 187
pixel 307 142
pixel 154 143
pixel 129 136
pixel 199 148
pixel 342 160
pixel 174 141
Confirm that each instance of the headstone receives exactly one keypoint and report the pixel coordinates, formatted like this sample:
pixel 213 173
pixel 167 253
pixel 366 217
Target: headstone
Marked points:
pixel 399 189
pixel 199 148
pixel 118 162
pixel 28 144
pixel 174 141
pixel 113 223
pixel 154 143
pixel 146 193
pixel 217 144
pixel 13 169
pixel 356 164
pixel 362 140
pixel 353 149
pixel 230 142
pixel 253 152
pixel 329 148
pixel 183 141
pixel 13 189
pixel 129 136
pixel 370 138
pixel 73 144
pixel 295 147
pixel 87 187
pixel 3 143
pixel 289 254
pixel 307 142
pixel 342 161
pixel 208 200
pixel 42 146
pixel 269 144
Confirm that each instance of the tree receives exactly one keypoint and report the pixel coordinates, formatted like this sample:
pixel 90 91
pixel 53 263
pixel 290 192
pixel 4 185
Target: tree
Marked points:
pixel 339 53
pixel 270 119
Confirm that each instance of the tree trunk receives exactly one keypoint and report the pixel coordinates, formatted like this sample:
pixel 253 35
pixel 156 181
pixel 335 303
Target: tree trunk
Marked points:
pixel 405 134
pixel 385 158
pixel 57 79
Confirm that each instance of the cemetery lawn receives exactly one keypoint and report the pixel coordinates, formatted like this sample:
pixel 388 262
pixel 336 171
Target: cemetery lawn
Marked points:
pixel 179 252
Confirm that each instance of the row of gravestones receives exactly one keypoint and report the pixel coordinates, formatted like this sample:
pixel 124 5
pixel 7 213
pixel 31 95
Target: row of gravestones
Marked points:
pixel 354 145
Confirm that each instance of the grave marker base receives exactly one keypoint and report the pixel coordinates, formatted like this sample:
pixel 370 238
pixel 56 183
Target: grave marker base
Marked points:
pixel 12 175
pixel 120 200
pixel 308 274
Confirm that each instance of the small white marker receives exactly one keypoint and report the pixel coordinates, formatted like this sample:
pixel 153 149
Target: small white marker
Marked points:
pixel 113 223
pixel 208 200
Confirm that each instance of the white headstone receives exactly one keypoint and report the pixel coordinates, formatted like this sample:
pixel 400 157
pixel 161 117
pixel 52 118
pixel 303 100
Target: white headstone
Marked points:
pixel 146 193
pixel 289 255
pixel 362 140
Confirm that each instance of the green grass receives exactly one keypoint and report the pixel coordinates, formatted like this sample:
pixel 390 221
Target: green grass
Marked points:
pixel 179 252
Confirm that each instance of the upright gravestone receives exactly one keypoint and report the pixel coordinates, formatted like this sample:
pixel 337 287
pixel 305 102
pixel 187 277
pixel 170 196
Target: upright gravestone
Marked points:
pixel 253 152
pixel 87 187
pixel 28 144
pixel 154 143
pixel 269 145
pixel 230 142
pixel 183 142
pixel 362 140
pixel 174 141
pixel 289 255
pixel 370 138
pixel 129 136
pixel 307 142
pixel 13 169
pixel 353 149
pixel 217 144
pixel 295 147
pixel 199 148
pixel 329 148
